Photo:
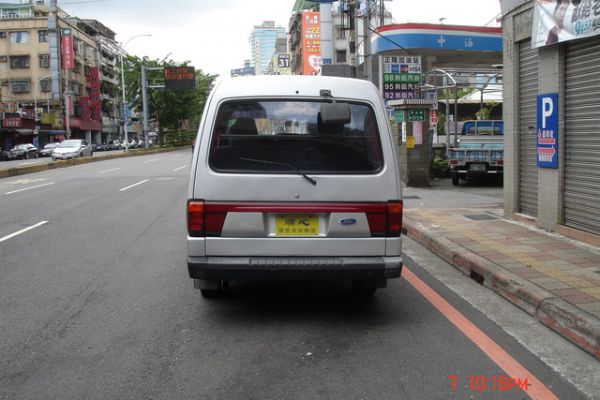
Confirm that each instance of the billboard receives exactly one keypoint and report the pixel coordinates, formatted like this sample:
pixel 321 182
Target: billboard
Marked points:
pixel 557 21
pixel 401 77
pixel 311 43
pixel 177 78
pixel 242 71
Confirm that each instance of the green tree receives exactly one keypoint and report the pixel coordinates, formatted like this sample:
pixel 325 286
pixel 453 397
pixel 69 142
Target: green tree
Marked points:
pixel 171 108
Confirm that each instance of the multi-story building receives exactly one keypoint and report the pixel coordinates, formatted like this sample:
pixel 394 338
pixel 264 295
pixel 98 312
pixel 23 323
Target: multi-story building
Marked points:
pixel 26 77
pixel 83 81
pixel 262 45
pixel 280 61
pixel 552 116
pixel 24 70
pixel 108 55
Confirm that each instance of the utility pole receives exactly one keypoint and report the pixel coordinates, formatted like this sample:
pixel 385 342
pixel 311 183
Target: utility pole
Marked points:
pixel 145 88
pixel 352 34
pixel 367 41
pixel 125 104
pixel 145 104
pixel 53 45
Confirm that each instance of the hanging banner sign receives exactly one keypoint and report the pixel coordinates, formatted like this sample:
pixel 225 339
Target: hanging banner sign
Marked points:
pixel 557 21
pixel 66 49
pixel 547 130
pixel 433 117
pixel 48 118
pixel 311 43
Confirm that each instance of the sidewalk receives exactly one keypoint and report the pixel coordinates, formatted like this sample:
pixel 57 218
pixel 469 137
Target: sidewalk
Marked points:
pixel 552 278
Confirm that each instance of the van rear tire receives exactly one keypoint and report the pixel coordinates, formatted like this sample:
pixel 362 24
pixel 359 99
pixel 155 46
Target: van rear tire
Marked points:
pixel 209 289
pixel 455 179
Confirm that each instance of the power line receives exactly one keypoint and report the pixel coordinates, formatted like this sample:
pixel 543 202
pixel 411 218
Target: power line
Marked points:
pixel 83 2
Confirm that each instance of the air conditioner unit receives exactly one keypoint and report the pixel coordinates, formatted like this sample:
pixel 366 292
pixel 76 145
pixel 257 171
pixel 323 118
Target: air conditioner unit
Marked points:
pixel 4 82
pixel 3 58
pixel 2 34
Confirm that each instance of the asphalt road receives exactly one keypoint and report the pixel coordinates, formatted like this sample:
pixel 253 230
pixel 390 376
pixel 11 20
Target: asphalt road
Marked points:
pixel 96 303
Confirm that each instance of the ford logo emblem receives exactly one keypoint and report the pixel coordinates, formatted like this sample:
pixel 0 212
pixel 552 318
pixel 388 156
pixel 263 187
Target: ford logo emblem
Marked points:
pixel 348 221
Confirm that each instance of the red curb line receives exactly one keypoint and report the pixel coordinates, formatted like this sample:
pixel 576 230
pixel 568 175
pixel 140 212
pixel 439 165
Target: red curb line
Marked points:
pixel 576 325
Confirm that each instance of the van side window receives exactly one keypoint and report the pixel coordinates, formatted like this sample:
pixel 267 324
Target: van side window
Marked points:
pixel 265 136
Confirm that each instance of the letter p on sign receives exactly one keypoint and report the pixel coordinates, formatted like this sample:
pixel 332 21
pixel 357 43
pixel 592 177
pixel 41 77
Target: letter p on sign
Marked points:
pixel 547 110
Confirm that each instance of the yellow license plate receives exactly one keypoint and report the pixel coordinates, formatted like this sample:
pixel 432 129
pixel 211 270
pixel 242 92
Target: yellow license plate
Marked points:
pixel 296 225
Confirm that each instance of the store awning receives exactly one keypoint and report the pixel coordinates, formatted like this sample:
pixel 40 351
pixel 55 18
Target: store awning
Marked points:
pixel 24 131
pixel 52 131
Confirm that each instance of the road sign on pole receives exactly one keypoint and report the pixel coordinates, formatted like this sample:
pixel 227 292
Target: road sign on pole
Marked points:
pixel 547 130
pixel 177 78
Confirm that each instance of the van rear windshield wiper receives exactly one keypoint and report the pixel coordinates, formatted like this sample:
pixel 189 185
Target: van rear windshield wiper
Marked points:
pixel 290 166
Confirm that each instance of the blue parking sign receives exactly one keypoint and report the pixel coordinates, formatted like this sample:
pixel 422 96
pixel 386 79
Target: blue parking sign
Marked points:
pixel 547 130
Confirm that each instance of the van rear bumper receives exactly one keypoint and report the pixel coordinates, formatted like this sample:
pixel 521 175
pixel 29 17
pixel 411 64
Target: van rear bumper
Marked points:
pixel 267 268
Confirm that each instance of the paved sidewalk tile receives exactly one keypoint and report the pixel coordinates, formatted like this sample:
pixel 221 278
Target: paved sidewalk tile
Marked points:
pixel 551 262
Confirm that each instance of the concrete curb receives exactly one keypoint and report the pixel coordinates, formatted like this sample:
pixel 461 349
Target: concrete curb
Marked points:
pixel 14 171
pixel 576 325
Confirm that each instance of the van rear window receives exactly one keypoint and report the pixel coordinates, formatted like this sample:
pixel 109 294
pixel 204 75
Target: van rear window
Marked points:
pixel 283 136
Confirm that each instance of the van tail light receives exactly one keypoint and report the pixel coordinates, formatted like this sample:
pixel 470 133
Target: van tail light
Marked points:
pixel 205 219
pixel 394 218
pixel 195 218
pixel 386 220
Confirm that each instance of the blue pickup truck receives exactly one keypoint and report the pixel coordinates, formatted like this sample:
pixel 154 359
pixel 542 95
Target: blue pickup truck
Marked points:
pixel 479 151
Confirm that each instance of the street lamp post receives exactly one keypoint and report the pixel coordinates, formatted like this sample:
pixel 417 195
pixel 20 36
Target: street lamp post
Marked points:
pixel 125 111
pixel 35 113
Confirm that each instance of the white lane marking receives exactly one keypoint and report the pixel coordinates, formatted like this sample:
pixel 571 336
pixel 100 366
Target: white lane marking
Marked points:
pixel 29 188
pixel 180 168
pixel 149 161
pixel 22 231
pixel 26 181
pixel 135 184
pixel 109 170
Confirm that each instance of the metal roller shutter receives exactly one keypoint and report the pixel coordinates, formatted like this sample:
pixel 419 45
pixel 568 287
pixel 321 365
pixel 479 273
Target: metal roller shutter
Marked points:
pixel 528 91
pixel 582 134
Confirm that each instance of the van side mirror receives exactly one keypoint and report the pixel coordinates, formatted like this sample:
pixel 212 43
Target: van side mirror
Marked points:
pixel 335 113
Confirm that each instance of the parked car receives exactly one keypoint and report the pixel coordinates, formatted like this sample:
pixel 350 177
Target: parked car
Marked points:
pixel 46 151
pixel 5 155
pixel 294 177
pixel 24 150
pixel 72 148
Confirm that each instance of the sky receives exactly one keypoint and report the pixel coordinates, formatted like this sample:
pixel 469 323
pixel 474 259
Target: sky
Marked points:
pixel 213 34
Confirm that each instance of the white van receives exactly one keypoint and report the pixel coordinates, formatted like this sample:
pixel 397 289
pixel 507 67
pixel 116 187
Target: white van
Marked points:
pixel 294 177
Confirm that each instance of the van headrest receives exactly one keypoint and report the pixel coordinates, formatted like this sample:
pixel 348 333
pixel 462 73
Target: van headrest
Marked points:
pixel 244 126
